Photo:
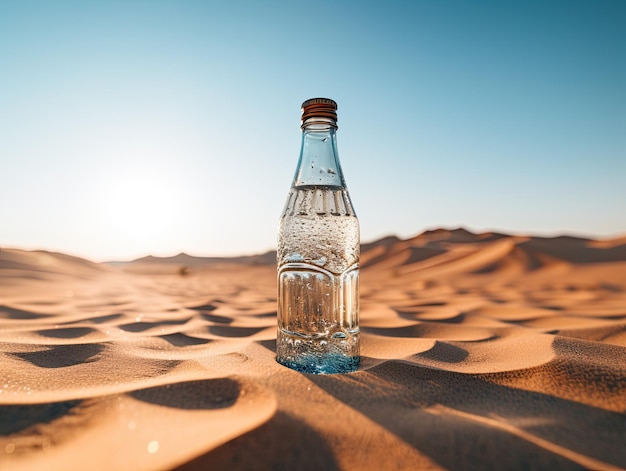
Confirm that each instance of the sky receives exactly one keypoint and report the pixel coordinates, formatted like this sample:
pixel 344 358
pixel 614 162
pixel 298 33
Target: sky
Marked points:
pixel 134 127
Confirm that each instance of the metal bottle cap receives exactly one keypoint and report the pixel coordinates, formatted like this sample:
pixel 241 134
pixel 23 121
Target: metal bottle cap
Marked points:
pixel 319 108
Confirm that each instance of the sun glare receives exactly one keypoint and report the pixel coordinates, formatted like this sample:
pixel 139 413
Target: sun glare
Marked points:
pixel 141 206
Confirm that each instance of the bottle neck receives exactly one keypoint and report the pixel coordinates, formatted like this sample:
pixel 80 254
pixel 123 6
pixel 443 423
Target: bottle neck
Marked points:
pixel 319 164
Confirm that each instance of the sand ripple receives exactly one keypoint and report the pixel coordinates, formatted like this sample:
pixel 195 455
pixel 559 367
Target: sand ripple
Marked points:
pixel 477 349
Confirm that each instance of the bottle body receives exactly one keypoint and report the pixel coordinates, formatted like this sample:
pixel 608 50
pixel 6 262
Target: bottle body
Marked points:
pixel 318 265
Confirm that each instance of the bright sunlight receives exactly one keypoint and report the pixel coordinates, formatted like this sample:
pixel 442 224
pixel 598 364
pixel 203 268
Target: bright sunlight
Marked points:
pixel 141 205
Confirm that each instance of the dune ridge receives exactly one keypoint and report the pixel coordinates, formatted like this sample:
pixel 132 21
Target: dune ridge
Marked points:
pixel 479 351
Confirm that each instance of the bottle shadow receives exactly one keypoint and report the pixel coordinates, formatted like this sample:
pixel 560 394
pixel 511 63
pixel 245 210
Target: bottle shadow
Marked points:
pixel 463 421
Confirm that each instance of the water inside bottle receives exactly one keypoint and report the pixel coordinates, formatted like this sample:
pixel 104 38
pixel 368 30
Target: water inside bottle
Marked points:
pixel 318 278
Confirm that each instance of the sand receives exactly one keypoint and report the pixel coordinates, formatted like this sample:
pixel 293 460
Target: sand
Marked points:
pixel 479 351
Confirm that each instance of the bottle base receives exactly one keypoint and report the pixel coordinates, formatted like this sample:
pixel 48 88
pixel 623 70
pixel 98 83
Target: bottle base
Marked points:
pixel 318 356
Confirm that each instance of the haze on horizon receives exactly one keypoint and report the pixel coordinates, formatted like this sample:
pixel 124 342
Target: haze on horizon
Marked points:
pixel 159 127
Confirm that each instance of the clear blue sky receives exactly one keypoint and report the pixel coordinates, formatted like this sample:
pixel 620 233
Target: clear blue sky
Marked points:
pixel 135 127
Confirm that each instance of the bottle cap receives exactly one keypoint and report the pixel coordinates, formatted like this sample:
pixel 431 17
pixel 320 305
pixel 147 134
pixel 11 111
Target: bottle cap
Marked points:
pixel 319 108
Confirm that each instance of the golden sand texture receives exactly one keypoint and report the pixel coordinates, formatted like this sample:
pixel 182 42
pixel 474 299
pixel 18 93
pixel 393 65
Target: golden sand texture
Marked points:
pixel 479 351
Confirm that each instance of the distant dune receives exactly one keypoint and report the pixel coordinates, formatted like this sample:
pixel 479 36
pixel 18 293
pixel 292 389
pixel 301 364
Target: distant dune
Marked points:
pixel 436 242
pixel 479 351
pixel 192 261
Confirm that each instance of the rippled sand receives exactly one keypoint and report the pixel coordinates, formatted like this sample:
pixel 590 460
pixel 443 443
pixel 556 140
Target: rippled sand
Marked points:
pixel 479 352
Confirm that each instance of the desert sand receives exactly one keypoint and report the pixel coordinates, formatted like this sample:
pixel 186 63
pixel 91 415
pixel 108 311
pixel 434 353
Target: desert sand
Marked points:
pixel 479 351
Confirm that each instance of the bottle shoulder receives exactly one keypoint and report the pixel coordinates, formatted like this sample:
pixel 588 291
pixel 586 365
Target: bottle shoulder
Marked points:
pixel 318 200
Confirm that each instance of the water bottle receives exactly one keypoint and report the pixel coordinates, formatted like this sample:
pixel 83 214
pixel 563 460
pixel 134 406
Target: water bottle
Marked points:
pixel 318 255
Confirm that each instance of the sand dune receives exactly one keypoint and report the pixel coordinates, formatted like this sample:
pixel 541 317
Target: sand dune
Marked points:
pixel 479 351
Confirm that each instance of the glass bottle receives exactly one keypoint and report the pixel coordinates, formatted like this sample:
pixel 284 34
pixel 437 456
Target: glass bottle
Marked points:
pixel 318 255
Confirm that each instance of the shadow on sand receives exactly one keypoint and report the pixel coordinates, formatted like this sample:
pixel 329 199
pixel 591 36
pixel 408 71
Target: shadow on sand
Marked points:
pixel 462 421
